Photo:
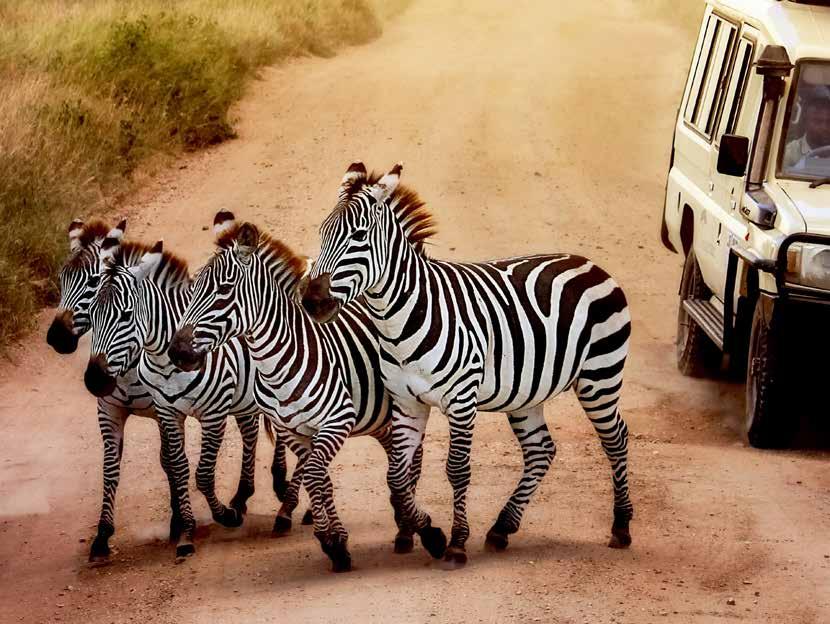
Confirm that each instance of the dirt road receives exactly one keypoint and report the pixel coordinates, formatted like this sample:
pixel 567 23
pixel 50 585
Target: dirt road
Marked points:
pixel 528 126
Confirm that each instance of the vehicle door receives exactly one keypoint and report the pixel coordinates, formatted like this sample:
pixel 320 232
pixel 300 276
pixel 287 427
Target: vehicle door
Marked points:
pixel 702 112
pixel 738 115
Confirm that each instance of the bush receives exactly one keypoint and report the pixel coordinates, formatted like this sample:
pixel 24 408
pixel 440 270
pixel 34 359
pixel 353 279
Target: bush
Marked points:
pixel 95 89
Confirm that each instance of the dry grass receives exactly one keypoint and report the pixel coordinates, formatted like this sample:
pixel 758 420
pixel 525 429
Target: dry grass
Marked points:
pixel 94 89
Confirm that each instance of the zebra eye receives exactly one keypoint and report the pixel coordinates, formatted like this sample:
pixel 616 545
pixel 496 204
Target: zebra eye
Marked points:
pixel 225 289
pixel 359 235
pixel 93 281
pixel 125 315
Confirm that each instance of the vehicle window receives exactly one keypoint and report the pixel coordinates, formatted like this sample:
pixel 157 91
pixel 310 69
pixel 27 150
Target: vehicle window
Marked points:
pixel 737 86
pixel 708 83
pixel 806 149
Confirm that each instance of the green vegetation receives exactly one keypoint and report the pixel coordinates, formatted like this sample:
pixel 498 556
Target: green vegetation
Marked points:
pixel 95 89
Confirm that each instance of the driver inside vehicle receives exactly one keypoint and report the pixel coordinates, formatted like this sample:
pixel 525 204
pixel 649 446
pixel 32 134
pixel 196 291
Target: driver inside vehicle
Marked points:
pixel 814 132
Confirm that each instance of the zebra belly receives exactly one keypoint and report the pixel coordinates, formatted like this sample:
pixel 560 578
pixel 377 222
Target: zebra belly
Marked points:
pixel 410 382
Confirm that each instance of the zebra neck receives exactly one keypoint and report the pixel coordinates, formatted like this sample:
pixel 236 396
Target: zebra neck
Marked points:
pixel 279 322
pixel 402 277
pixel 163 310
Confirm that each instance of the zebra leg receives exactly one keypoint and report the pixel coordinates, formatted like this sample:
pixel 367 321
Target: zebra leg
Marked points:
pixel 404 542
pixel 332 536
pixel 600 400
pixel 175 516
pixel 462 419
pixel 249 430
pixel 538 450
pixel 111 421
pixel 213 432
pixel 408 425
pixel 173 426
pixel 279 468
pixel 291 498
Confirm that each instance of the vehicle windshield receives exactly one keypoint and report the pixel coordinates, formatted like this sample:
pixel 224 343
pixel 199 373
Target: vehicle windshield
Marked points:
pixel 806 152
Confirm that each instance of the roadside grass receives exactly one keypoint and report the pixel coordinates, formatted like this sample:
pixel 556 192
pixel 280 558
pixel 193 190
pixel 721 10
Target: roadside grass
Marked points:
pixel 96 91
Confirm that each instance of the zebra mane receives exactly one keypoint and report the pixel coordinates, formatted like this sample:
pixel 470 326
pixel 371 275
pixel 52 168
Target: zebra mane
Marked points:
pixel 92 231
pixel 276 254
pixel 172 271
pixel 409 209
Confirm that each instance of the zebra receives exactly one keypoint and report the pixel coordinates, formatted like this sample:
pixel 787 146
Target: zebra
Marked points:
pixel 320 385
pixel 498 336
pixel 134 309
pixel 79 278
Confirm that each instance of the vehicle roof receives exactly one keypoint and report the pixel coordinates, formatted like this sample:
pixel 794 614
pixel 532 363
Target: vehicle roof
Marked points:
pixel 802 29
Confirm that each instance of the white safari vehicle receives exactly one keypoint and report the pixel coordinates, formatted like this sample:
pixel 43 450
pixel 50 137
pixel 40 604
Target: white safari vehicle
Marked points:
pixel 748 203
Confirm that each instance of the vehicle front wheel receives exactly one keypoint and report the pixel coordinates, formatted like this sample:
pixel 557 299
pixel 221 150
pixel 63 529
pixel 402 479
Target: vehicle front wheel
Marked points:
pixel 697 355
pixel 766 425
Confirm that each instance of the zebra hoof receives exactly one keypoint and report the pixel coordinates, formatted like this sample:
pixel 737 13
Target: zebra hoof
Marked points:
pixel 434 540
pixel 404 544
pixel 308 518
pixel 229 517
pixel 99 552
pixel 282 526
pixel 99 556
pixel 341 559
pixel 454 558
pixel 99 561
pixel 495 542
pixel 341 565
pixel 620 538
pixel 185 550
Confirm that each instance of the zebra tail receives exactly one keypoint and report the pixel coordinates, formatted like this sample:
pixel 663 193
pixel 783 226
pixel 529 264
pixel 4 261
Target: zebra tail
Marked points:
pixel 269 429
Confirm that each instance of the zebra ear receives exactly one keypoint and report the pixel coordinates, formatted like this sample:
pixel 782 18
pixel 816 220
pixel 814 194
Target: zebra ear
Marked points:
pixel 222 222
pixel 387 184
pixel 302 285
pixel 76 228
pixel 247 241
pixel 118 231
pixel 109 248
pixel 148 263
pixel 355 172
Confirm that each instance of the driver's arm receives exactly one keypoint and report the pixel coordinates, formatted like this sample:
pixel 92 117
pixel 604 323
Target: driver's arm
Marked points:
pixel 792 154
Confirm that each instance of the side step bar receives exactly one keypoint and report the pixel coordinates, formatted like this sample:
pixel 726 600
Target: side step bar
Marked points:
pixel 708 316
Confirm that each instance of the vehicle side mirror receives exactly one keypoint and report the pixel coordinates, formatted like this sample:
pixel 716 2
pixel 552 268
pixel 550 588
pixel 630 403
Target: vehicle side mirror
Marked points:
pixel 734 155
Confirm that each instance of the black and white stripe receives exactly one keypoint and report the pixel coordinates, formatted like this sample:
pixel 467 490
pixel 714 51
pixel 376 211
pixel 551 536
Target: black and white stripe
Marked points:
pixel 79 278
pixel 463 337
pixel 142 295
pixel 319 385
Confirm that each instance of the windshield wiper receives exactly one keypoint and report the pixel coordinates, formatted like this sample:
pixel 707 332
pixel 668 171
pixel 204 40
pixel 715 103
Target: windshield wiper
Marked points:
pixel 819 182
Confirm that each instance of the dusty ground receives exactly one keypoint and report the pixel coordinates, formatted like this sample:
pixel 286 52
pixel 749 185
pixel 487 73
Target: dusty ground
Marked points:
pixel 528 127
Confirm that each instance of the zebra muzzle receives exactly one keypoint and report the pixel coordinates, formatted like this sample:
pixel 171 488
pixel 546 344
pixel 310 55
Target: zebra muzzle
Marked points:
pixel 317 299
pixel 60 335
pixel 97 378
pixel 182 353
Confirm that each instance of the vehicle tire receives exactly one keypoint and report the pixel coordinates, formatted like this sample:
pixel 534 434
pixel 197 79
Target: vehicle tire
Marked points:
pixel 766 425
pixel 697 355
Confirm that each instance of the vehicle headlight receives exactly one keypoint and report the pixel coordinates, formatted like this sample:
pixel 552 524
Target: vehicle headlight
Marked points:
pixel 809 265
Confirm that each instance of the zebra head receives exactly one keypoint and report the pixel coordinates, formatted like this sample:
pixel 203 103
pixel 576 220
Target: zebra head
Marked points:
pixel 355 243
pixel 79 278
pixel 223 297
pixel 118 323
